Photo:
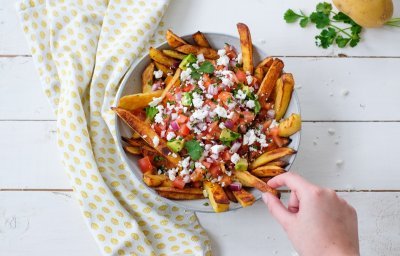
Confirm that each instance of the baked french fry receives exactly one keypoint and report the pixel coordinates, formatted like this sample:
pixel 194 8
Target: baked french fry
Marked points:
pixel 208 53
pixel 147 134
pixel 249 180
pixel 195 191
pixel 135 135
pixel 139 100
pixel 218 199
pixel 163 68
pixel 270 156
pixel 290 125
pixel 153 180
pixel 230 195
pixel 259 74
pixel 133 150
pixel 247 47
pixel 201 40
pixel 147 78
pixel 174 40
pixel 167 183
pixel 173 82
pixel 244 198
pixel 160 57
pixel 283 94
pixel 134 142
pixel 174 54
pixel 269 81
pixel 267 171
pixel 179 196
pixel 265 64
pixel 279 163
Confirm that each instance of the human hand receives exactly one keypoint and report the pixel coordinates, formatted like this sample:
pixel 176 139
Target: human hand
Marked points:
pixel 317 220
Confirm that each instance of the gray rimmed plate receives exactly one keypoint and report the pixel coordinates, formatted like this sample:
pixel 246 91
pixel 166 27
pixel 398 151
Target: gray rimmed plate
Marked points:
pixel 132 84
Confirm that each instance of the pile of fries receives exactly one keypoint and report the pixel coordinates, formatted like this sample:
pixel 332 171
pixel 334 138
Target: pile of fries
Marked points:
pixel 270 87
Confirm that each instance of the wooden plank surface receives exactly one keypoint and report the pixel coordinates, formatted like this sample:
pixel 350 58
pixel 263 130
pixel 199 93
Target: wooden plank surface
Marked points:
pixel 321 93
pixel 48 223
pixel 30 158
pixel 264 17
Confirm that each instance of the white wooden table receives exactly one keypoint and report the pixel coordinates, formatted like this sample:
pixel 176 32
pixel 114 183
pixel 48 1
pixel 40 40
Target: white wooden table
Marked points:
pixel 39 216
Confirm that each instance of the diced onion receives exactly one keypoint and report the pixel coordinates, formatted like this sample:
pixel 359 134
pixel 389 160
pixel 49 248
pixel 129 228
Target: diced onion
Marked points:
pixel 235 186
pixel 228 124
pixel 175 126
pixel 271 113
pixel 235 147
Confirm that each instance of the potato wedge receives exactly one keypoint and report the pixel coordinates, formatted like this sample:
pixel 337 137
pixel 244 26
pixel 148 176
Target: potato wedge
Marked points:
pixel 160 57
pixel 259 74
pixel 167 183
pixel 267 171
pixel 173 82
pixel 208 53
pixel 133 150
pixel 283 94
pixel 290 125
pixel 270 156
pixel 163 68
pixel 247 47
pixel 147 134
pixel 174 54
pixel 265 64
pixel 174 40
pixel 218 199
pixel 134 142
pixel 279 163
pixel 230 195
pixel 135 135
pixel 265 179
pixel 194 191
pixel 138 101
pixel 147 78
pixel 201 40
pixel 249 180
pixel 153 180
pixel 179 196
pixel 244 198
pixel 269 81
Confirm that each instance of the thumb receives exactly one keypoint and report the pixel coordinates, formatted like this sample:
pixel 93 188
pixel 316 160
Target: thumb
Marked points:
pixel 277 210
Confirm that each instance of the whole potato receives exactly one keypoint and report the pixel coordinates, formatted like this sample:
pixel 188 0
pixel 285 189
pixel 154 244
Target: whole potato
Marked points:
pixel 366 13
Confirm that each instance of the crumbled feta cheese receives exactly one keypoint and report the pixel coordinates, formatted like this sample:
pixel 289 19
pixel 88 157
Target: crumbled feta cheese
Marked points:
pixel 207 146
pixel 185 74
pixel 216 149
pixel 214 156
pixel 199 165
pixel 174 116
pixel 200 57
pixel 174 155
pixel 171 135
pixel 199 114
pixel 223 184
pixel 235 158
pixel 221 52
pixel 155 101
pixel 249 79
pixel 273 124
pixel 219 178
pixel 223 60
pixel 220 111
pixel 249 138
pixel 197 100
pixel 186 178
pixel 195 66
pixel 156 141
pixel 158 118
pixel 239 58
pixel 158 74
pixel 162 134
pixel 159 172
pixel 221 125
pixel 240 95
pixel 250 104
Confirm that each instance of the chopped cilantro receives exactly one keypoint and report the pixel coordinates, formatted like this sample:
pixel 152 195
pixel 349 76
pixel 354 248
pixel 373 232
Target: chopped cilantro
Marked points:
pixel 206 204
pixel 158 158
pixel 206 67
pixel 151 112
pixel 257 106
pixel 194 149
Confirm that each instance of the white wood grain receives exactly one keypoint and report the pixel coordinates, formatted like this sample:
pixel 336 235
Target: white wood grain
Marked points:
pixel 321 85
pixel 43 223
pixel 265 18
pixel 46 223
pixel 30 159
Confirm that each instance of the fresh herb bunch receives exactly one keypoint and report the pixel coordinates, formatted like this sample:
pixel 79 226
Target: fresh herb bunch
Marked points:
pixel 326 19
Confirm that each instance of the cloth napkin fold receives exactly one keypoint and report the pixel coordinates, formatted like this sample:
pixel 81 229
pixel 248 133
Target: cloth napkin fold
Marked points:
pixel 82 50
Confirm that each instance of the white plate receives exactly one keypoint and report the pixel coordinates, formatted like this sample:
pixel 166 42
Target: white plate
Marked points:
pixel 132 84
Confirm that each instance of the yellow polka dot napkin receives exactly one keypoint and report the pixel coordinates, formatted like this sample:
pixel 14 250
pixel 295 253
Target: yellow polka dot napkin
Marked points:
pixel 82 49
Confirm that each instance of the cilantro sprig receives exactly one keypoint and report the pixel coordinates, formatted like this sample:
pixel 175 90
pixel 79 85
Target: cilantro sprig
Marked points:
pixel 324 18
pixel 204 68
pixel 151 112
pixel 194 149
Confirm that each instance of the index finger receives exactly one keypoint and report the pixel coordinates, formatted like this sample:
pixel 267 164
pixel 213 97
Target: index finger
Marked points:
pixel 292 181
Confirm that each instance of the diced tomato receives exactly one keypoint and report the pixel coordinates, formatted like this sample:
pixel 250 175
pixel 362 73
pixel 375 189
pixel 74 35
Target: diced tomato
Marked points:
pixel 266 124
pixel 145 164
pixel 241 76
pixel 207 81
pixel 159 128
pixel 227 180
pixel 226 156
pixel 182 119
pixel 197 184
pixel 271 146
pixel 140 114
pixel 184 130
pixel 197 175
pixel 206 164
pixel 213 130
pixel 235 118
pixel 215 170
pixel 225 97
pixel 230 51
pixel 248 116
pixel 188 88
pixel 178 183
pixel 211 104
pixel 275 137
